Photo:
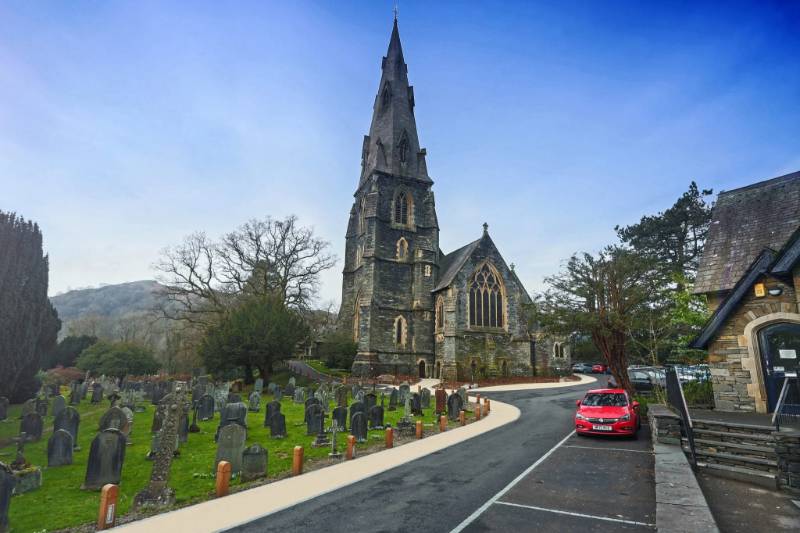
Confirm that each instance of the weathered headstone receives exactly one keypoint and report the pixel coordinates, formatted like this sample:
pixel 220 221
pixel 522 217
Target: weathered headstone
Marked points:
pixel 234 397
pixel 183 423
pixel 341 397
pixel 3 408
pixel 115 418
pixel 376 417
pixel 254 402
pixel 32 426
pixel 59 403
pixel 197 392
pixel 158 418
pixel 270 387
pixel 42 406
pixel 273 408
pixel 7 482
pixel 359 396
pixel 129 414
pixel 311 401
pixel 277 426
pixel 393 397
pixel 454 406
pixel 205 407
pixel 278 394
pixel 370 400
pixel 425 398
pixel 259 386
pixel 315 420
pixel 357 407
pixel 339 417
pixel 254 463
pixel 69 420
pixel 234 413
pixel 157 492
pixel 230 446
pixel 289 390
pixel 299 395
pixel 106 456
pixel 28 407
pixel 441 401
pixel 97 393
pixel 462 393
pixel 405 389
pixel 358 426
pixel 75 393
pixel 59 448
pixel 416 404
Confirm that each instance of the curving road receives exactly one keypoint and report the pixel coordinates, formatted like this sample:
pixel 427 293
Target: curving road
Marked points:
pixel 441 491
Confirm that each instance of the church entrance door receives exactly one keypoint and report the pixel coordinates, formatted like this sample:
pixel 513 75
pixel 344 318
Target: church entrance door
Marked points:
pixel 422 369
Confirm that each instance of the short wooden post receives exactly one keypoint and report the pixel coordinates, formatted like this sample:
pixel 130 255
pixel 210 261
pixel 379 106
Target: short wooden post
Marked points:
pixel 442 423
pixel 107 516
pixel 389 437
pixel 351 446
pixel 297 461
pixel 478 412
pixel 419 429
pixel 223 478
pixel 462 417
pixel 477 398
pixel 486 405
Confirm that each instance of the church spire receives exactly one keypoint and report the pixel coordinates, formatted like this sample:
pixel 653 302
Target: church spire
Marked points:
pixel 392 145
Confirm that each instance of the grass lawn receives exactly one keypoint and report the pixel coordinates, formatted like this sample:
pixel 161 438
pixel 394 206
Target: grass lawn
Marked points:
pixel 322 368
pixel 60 503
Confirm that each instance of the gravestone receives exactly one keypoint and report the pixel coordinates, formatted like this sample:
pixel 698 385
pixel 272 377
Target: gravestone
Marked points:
pixel 416 404
pixel 7 483
pixel 254 463
pixel 259 386
pixel 425 398
pixel 278 394
pixel 341 397
pixel 129 414
pixel 234 397
pixel 358 426
pixel 376 417
pixel 28 407
pixel 359 396
pixel 454 406
pixel 315 420
pixel 370 401
pixel 183 423
pixel 234 413
pixel 158 418
pixel 393 397
pixel 462 393
pixel 230 447
pixel 273 408
pixel 42 406
pixel 157 493
pixel 277 426
pixel 271 387
pixel 289 390
pixel 69 420
pixel 254 402
pixel 197 392
pixel 441 401
pixel 3 408
pixel 97 393
pixel 75 393
pixel 115 418
pixel 32 427
pixel 299 395
pixel 311 401
pixel 205 407
pixel 59 448
pixel 59 403
pixel 405 389
pixel 357 407
pixel 339 417
pixel 106 456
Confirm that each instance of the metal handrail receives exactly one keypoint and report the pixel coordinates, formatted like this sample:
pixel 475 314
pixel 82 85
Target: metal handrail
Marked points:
pixel 776 416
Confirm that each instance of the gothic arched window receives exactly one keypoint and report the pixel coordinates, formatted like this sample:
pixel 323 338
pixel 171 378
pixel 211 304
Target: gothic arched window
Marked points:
pixel 362 212
pixel 439 313
pixel 486 299
pixel 402 149
pixel 386 97
pixel 402 249
pixel 401 205
pixel 357 320
pixel 400 329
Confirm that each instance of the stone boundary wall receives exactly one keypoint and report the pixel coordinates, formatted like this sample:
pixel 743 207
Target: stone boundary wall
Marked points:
pixel 787 448
pixel 665 425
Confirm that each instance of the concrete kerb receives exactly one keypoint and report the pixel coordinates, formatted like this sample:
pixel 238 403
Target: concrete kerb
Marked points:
pixel 584 380
pixel 246 506
pixel 680 503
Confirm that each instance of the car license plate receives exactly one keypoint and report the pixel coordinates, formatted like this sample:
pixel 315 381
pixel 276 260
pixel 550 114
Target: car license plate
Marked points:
pixel 595 427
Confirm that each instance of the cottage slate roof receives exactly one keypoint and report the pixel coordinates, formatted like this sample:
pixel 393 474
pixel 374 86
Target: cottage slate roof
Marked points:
pixel 744 222
pixel 452 263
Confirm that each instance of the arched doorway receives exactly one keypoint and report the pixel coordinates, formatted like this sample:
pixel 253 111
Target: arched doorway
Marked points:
pixel 438 374
pixel 422 369
pixel 779 345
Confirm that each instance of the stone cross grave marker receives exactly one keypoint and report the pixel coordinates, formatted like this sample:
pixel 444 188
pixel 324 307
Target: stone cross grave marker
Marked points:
pixel 59 448
pixel 254 462
pixel 106 456
pixel 230 447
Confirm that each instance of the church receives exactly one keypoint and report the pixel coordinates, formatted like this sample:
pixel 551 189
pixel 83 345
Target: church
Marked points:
pixel 413 309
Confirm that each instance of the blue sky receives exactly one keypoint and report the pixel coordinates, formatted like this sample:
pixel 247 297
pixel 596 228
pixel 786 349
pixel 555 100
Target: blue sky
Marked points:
pixel 126 125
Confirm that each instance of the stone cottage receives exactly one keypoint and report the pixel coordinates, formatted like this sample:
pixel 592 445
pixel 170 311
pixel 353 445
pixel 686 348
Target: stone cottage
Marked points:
pixel 413 309
pixel 750 273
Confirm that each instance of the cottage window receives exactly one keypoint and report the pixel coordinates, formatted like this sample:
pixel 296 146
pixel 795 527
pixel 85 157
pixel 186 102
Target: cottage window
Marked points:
pixel 486 299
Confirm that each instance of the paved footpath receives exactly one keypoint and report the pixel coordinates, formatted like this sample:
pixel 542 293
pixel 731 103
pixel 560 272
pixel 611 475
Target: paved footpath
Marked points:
pixel 531 474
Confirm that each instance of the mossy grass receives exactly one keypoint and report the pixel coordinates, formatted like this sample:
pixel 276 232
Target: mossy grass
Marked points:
pixel 60 503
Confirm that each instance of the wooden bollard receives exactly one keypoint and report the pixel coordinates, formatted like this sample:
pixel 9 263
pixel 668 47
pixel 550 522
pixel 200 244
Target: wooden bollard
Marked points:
pixel 478 412
pixel 389 437
pixel 351 447
pixel 419 429
pixel 486 405
pixel 223 478
pixel 107 516
pixel 477 398
pixel 442 423
pixel 462 417
pixel 297 461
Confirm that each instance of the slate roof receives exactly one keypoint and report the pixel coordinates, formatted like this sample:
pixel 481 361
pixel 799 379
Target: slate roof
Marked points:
pixel 744 222
pixel 452 263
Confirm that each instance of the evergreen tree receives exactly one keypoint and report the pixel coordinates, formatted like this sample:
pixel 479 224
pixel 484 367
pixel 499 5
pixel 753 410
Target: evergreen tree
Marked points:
pixel 68 350
pixel 28 322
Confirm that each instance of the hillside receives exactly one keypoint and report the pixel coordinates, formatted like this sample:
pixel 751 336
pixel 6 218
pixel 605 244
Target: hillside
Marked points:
pixel 110 301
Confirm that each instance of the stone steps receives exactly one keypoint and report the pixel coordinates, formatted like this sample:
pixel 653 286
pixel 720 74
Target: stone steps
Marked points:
pixel 739 473
pixel 768 452
pixel 735 460
pixel 754 437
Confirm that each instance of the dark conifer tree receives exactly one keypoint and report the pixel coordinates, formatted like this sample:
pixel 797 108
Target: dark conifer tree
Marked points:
pixel 28 322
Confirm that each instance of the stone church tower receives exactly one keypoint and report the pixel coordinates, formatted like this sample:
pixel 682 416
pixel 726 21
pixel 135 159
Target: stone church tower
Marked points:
pixel 392 241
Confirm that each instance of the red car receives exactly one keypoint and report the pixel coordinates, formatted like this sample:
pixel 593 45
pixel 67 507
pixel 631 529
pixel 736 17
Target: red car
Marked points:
pixel 607 412
pixel 599 368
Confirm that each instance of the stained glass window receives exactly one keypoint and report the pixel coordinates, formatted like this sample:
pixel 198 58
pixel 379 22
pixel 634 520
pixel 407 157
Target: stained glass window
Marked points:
pixel 485 299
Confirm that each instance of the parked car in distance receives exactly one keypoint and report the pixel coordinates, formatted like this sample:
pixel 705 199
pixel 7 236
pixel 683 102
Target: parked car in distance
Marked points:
pixel 642 381
pixel 599 368
pixel 607 412
pixel 582 368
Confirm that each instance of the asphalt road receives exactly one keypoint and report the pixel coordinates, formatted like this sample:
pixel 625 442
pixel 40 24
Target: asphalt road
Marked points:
pixel 440 491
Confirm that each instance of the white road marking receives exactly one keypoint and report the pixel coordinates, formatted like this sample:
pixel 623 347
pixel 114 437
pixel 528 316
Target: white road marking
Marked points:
pixel 480 510
pixel 581 515
pixel 611 449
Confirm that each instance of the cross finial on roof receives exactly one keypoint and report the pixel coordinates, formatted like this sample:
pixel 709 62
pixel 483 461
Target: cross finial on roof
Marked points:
pixel 395 10
pixel 512 267
pixel 485 228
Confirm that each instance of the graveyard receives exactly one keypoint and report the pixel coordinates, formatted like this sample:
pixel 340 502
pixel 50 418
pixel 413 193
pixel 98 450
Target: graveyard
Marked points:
pixel 66 500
